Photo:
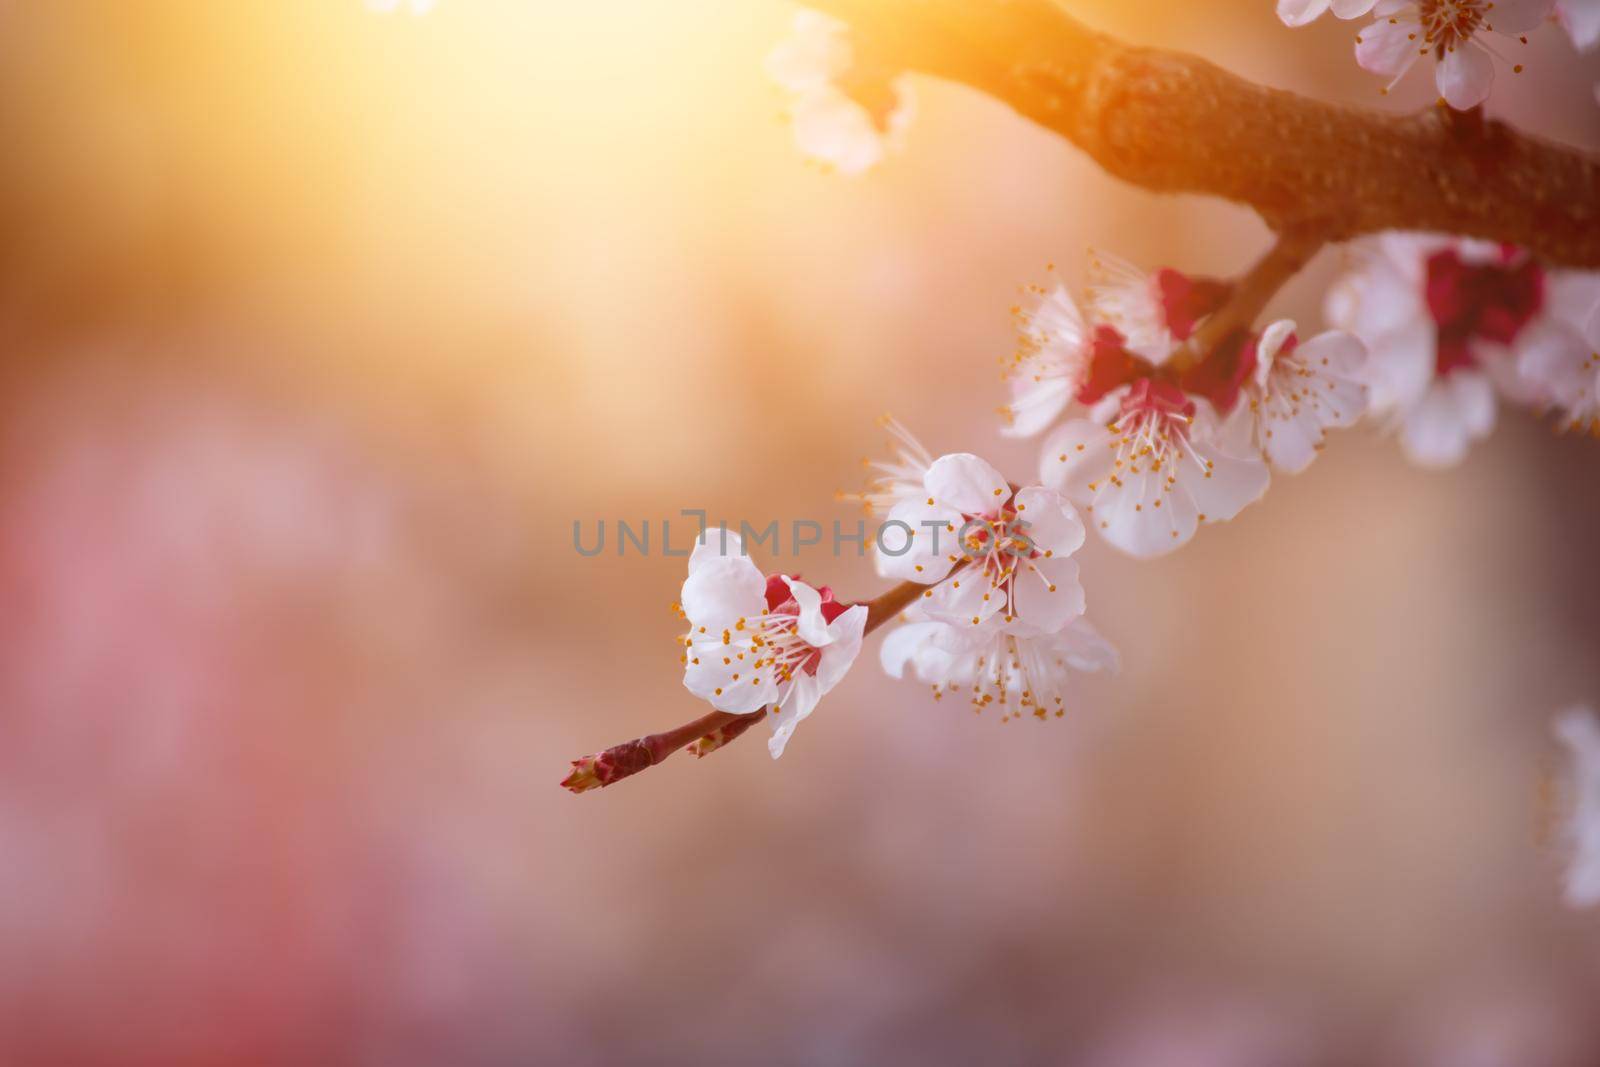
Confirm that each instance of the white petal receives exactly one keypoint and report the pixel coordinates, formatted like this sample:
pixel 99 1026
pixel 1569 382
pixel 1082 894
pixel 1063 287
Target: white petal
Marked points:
pixel 1579 730
pixel 715 543
pixel 835 130
pixel 1221 485
pixel 1582 21
pixel 801 702
pixel 1127 516
pixel 1086 650
pixel 1272 339
pixel 933 541
pixel 903 644
pixel 1401 363
pixel 1352 9
pixel 1035 404
pixel 815 53
pixel 1437 431
pixel 708 677
pixel 1474 399
pixel 968 598
pixel 1465 74
pixel 844 645
pixel 722 591
pixel 810 624
pixel 1300 12
pixel 1075 454
pixel 1052 522
pixel 1386 47
pixel 966 483
pixel 1048 595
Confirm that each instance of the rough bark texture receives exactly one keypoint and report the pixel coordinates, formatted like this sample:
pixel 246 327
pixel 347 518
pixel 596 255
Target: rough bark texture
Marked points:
pixel 1175 123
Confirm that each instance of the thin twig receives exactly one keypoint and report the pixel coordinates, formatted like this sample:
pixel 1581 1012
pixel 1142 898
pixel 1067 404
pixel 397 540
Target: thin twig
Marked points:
pixel 1250 296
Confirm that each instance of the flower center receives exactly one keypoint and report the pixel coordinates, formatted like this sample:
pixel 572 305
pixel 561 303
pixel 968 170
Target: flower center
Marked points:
pixel 1479 302
pixel 1447 23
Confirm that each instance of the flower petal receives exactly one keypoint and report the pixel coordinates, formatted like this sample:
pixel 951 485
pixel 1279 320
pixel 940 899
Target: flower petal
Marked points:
pixel 1301 12
pixel 722 591
pixel 801 702
pixel 810 624
pixel 1465 74
pixel 1047 595
pixel 833 129
pixel 844 644
pixel 1387 46
pixel 933 541
pixel 966 483
pixel 1052 523
pixel 1035 404
pixel 1075 454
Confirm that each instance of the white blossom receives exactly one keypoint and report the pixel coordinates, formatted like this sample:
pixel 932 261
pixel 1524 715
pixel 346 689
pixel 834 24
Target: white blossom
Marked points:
pixel 1005 552
pixel 1051 362
pixel 1298 391
pixel 1451 324
pixel 1579 730
pixel 1453 32
pixel 1150 465
pixel 841 120
pixel 1014 672
pixel 756 642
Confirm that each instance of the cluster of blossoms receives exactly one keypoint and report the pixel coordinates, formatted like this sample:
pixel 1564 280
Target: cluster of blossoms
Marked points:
pixel 1157 414
pixel 1454 324
pixel 1160 441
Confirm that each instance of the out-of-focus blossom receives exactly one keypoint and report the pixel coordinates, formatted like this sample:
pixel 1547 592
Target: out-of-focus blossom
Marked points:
pixel 756 642
pixel 1301 12
pixel 844 118
pixel 1151 467
pixel 1566 375
pixel 1009 550
pixel 1579 730
pixel 1581 20
pixel 1451 31
pixel 1298 391
pixel 1450 323
pixel 1015 672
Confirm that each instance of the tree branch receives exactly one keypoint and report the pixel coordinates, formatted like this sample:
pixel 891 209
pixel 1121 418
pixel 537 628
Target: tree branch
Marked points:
pixel 1249 296
pixel 1175 123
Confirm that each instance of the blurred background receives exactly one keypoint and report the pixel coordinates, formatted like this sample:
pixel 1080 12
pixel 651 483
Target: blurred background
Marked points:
pixel 320 328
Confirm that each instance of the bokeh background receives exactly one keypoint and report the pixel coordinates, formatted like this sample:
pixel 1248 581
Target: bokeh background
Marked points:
pixel 320 329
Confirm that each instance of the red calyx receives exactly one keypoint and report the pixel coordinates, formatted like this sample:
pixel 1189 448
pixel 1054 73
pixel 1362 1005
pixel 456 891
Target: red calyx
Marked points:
pixel 1185 300
pixel 781 601
pixel 1488 301
pixel 1111 365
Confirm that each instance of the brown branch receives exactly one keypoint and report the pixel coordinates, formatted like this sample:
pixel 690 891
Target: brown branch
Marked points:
pixel 1175 123
pixel 709 732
